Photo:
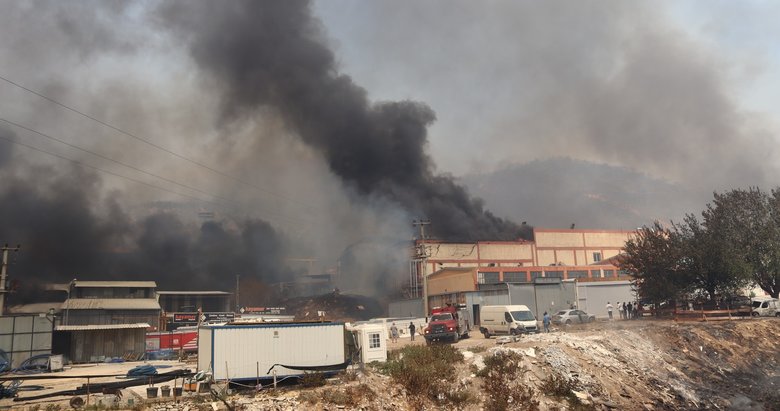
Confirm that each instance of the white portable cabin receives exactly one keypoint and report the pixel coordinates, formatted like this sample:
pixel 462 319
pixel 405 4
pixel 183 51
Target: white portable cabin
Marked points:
pixel 402 323
pixel 372 341
pixel 244 352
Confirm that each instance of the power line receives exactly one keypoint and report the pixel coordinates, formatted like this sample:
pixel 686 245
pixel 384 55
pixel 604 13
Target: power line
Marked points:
pixel 82 164
pixel 111 159
pixel 171 152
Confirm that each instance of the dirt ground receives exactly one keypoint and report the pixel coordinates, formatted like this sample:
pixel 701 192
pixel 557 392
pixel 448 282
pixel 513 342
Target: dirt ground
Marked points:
pixel 621 365
pixel 653 364
pixel 627 365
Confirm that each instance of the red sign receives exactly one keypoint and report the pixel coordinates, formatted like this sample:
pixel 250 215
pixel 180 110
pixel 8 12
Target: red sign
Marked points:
pixel 185 318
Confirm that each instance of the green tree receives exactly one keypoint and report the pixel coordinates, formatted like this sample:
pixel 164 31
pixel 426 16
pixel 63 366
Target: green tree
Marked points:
pixel 708 264
pixel 747 225
pixel 653 258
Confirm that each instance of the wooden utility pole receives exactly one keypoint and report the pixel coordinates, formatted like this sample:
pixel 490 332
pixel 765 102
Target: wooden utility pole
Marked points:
pixel 422 256
pixel 3 275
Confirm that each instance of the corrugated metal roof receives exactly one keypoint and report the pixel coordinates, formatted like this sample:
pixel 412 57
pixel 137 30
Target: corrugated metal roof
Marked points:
pixel 34 308
pixel 99 327
pixel 136 284
pixel 111 304
pixel 193 293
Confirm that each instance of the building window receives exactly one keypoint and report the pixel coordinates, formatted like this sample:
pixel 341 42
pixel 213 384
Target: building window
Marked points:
pixel 515 277
pixel 577 274
pixel 374 340
pixel 553 274
pixel 487 278
pixel 535 275
pixel 596 257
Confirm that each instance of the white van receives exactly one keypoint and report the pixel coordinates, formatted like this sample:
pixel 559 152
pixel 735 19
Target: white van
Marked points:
pixel 506 319
pixel 766 307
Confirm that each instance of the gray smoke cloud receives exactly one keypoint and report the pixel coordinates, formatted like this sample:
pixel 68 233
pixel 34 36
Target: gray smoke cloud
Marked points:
pixel 625 84
pixel 333 136
pixel 591 196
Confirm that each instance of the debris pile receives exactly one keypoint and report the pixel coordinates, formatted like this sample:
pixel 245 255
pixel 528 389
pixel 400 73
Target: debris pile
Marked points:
pixel 661 365
pixel 334 306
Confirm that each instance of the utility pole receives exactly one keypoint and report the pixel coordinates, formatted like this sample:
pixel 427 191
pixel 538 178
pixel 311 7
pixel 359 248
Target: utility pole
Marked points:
pixel 422 256
pixel 238 305
pixel 3 274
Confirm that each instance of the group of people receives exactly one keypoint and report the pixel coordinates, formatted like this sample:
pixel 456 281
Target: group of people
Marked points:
pixel 394 332
pixel 627 310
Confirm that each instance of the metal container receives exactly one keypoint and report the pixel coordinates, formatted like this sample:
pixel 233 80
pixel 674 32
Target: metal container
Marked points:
pixel 247 352
pixel 55 362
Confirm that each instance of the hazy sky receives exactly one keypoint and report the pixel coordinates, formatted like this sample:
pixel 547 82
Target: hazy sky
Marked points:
pixel 680 91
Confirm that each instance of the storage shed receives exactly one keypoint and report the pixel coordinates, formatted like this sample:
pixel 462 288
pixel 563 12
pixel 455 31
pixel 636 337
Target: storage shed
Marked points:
pixel 248 352
pixel 95 343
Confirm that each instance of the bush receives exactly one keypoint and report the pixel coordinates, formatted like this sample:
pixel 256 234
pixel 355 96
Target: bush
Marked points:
pixel 359 392
pixel 425 371
pixel 308 397
pixel 557 386
pixel 337 397
pixel 460 397
pixel 503 385
pixel 349 397
pixel 348 375
pixel 312 379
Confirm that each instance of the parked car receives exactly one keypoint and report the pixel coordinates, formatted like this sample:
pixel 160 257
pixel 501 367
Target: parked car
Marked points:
pixel 766 307
pixel 572 317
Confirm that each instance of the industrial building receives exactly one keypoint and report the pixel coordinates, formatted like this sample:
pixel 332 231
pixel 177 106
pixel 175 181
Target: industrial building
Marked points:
pixel 560 268
pixel 550 247
pixel 111 303
pixel 103 319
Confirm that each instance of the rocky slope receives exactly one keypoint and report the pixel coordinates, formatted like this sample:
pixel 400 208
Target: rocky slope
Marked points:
pixel 625 365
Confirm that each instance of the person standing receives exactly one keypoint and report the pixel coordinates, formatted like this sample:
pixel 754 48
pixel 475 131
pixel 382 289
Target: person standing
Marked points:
pixel 546 322
pixel 609 309
pixel 394 333
pixel 411 330
pixel 630 311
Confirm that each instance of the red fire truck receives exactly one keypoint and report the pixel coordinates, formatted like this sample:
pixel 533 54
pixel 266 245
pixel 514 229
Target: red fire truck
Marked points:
pixel 450 323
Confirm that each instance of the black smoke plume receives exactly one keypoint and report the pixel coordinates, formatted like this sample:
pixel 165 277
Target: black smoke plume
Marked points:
pixel 68 228
pixel 272 54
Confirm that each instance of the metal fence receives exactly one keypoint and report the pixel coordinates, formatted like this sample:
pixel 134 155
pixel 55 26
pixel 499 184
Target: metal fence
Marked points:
pixel 24 336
